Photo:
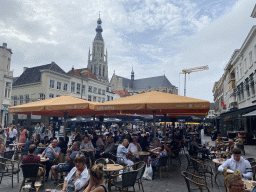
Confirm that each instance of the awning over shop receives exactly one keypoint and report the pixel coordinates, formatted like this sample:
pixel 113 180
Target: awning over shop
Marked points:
pixel 251 114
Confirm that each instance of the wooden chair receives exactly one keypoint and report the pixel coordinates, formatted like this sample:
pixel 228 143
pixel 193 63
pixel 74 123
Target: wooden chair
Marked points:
pixel 140 168
pixel 30 171
pixel 9 169
pixel 200 182
pixel 202 169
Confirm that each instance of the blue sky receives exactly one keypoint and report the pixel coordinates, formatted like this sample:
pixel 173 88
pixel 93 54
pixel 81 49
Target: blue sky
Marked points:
pixel 156 37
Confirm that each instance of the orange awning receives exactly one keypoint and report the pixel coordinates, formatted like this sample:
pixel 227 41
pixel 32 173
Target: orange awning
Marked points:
pixel 161 103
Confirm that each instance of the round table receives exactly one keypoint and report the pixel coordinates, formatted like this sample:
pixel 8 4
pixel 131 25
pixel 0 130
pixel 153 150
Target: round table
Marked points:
pixel 249 184
pixel 43 159
pixel 141 153
pixel 218 162
pixel 111 168
pixel 88 150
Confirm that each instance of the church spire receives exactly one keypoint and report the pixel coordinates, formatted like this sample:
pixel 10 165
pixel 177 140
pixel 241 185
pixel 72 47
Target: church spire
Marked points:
pixel 99 30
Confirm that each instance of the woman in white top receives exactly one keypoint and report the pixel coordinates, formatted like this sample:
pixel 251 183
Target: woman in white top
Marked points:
pixel 122 151
pixel 78 176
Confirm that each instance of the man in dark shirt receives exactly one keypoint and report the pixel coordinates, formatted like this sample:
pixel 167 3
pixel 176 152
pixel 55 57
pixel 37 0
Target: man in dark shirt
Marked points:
pixel 68 163
pixel 51 152
pixel 175 146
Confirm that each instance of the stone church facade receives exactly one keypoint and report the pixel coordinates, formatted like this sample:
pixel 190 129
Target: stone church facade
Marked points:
pixel 136 86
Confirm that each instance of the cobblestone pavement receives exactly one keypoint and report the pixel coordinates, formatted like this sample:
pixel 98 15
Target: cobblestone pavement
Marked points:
pixel 174 183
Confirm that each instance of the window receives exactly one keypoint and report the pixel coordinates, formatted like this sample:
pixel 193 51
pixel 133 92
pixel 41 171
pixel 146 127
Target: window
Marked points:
pixel 89 98
pixel 21 99
pixel 58 85
pixel 51 95
pixel 99 91
pixel 90 89
pixel 94 70
pixel 72 86
pixel 41 96
pixel 247 87
pixel 99 99
pixel 52 84
pixel 83 89
pixel 250 59
pixel 100 70
pixel 94 90
pixel 26 98
pixel 94 98
pixel 103 100
pixel 108 98
pixel 15 100
pixel 78 87
pixel 242 91
pixel 103 92
pixel 251 82
pixel 103 72
pixel 245 65
pixel 8 86
pixel 58 95
pixel 65 86
pixel 112 98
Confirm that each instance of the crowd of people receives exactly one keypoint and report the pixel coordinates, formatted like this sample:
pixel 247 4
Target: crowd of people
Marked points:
pixel 120 142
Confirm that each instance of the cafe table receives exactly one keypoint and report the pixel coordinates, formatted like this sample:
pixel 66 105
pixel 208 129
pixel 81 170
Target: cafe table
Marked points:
pixel 88 150
pixel 217 163
pixel 43 159
pixel 249 184
pixel 109 168
pixel 143 154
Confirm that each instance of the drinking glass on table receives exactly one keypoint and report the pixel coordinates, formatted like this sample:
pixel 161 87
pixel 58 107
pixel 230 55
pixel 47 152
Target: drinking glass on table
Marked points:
pixel 37 185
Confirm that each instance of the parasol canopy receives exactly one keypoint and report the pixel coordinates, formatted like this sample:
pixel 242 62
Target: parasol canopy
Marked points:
pixel 158 102
pixel 57 106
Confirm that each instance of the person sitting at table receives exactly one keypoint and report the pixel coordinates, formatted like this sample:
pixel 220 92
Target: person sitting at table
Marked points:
pixel 234 183
pixel 2 147
pixel 175 146
pixel 122 152
pixel 63 145
pixel 145 143
pixel 42 144
pixel 96 183
pixel 51 152
pixel 37 139
pixel 116 137
pixel 109 148
pixel 134 146
pixel 219 141
pixel 32 158
pixel 78 176
pixel 237 162
pixel 68 163
pixel 86 143
pixel 230 146
pixel 100 144
pixel 198 148
pixel 26 145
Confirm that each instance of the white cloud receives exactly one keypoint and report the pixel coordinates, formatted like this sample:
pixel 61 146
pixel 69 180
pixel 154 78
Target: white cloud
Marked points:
pixel 152 35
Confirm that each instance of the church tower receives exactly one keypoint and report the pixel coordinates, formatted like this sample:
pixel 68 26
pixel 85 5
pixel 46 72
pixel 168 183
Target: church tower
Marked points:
pixel 97 60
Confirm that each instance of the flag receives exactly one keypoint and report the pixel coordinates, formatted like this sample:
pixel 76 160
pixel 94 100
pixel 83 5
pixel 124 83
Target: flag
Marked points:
pixel 223 104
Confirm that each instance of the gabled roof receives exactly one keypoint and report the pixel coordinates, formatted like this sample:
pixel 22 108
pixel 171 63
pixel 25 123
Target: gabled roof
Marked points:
pixel 122 93
pixel 125 81
pixel 85 72
pixel 160 81
pixel 33 75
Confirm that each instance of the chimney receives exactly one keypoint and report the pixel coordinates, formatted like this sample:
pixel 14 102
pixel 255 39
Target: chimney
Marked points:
pixel 24 69
pixel 5 45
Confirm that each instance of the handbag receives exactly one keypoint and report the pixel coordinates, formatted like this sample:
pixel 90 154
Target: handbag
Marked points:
pixel 148 173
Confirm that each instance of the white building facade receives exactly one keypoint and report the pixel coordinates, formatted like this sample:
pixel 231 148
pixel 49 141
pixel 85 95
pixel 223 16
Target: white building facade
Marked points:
pixel 6 79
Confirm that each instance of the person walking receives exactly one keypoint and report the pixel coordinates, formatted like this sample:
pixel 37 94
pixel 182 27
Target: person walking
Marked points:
pixel 23 135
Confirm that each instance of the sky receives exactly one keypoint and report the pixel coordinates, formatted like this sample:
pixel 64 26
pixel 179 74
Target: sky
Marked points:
pixel 155 37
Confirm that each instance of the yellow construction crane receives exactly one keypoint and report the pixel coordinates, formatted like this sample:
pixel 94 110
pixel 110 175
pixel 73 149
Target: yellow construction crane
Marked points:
pixel 188 71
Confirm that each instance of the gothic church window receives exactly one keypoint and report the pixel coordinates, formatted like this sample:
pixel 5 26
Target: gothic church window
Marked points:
pixel 94 70
pixel 103 72
pixel 100 70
